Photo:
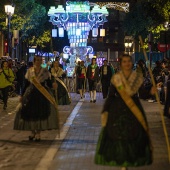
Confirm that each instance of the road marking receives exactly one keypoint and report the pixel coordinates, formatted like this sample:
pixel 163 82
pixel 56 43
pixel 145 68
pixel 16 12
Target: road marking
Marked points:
pixel 45 162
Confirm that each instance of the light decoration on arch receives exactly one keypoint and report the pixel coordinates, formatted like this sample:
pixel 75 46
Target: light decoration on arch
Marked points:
pixel 113 5
pixel 78 19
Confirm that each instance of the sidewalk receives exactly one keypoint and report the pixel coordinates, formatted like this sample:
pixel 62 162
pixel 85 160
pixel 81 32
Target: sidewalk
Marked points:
pixel 16 151
pixel 78 148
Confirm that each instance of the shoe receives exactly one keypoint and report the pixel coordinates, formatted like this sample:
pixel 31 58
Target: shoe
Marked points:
pixel 31 138
pixel 37 139
pixel 151 101
pixel 5 106
pixel 91 101
pixel 94 101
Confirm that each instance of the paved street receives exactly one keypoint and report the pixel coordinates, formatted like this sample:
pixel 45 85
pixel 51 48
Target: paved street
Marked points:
pixel 75 148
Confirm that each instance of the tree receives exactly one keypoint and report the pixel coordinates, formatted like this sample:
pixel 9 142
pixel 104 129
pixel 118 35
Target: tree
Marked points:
pixel 147 17
pixel 30 19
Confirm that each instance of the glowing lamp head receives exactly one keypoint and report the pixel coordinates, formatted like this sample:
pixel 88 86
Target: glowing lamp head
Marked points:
pixel 9 9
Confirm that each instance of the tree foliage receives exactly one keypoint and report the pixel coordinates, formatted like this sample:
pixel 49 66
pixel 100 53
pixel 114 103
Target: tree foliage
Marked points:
pixel 146 16
pixel 31 19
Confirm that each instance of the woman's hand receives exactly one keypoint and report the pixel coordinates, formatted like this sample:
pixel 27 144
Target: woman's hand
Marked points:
pixel 54 85
pixel 153 90
pixel 104 118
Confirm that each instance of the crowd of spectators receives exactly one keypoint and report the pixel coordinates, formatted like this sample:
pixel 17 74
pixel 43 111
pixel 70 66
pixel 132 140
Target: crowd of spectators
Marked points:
pixel 19 69
pixel 161 73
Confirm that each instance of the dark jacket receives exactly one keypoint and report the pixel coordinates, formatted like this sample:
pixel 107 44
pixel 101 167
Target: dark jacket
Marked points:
pixel 79 70
pixel 108 75
pixel 89 73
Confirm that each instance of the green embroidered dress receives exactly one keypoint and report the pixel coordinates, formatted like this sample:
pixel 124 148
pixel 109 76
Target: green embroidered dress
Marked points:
pixel 123 141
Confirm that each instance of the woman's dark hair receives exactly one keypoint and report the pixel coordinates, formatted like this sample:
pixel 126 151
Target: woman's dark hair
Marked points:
pixel 2 64
pixel 123 56
pixel 93 59
pixel 35 57
pixel 52 65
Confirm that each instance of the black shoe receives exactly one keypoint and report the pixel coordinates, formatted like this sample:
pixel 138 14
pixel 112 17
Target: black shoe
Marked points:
pixel 31 137
pixel 91 101
pixel 94 101
pixel 5 106
pixel 37 139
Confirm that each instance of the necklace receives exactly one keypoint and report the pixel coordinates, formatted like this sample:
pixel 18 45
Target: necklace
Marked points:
pixel 93 66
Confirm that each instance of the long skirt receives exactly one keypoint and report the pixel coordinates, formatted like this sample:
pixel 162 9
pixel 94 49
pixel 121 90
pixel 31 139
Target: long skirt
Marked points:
pixel 62 96
pixel 36 112
pixel 123 141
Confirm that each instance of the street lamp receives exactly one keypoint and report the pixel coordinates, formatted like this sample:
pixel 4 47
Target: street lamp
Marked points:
pixel 9 10
pixel 128 44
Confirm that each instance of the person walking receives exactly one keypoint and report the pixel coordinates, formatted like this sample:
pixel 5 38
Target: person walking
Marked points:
pixel 76 76
pixel 124 139
pixel 61 94
pixel 38 111
pixel 6 79
pixel 81 75
pixel 105 75
pixel 93 78
pixel 20 76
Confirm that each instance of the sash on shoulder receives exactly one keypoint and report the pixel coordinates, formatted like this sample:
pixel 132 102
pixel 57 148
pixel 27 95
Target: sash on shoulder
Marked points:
pixel 118 82
pixel 43 91
pixel 62 83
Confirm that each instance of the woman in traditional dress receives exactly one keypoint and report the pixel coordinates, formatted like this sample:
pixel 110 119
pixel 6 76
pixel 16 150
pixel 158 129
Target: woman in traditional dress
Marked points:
pixel 38 110
pixel 62 95
pixel 124 139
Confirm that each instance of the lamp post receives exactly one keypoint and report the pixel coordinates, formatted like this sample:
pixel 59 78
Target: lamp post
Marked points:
pixel 128 45
pixel 9 10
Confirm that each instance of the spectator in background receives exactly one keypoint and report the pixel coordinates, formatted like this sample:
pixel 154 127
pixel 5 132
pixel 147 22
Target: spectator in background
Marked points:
pixel 81 75
pixel 76 75
pixel 157 70
pixel 58 59
pixel 93 78
pixel 6 79
pixel 30 64
pixel 143 67
pixel 20 77
pixel 10 63
pixel 44 65
pixel 0 62
pixel 112 68
pixel 105 75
